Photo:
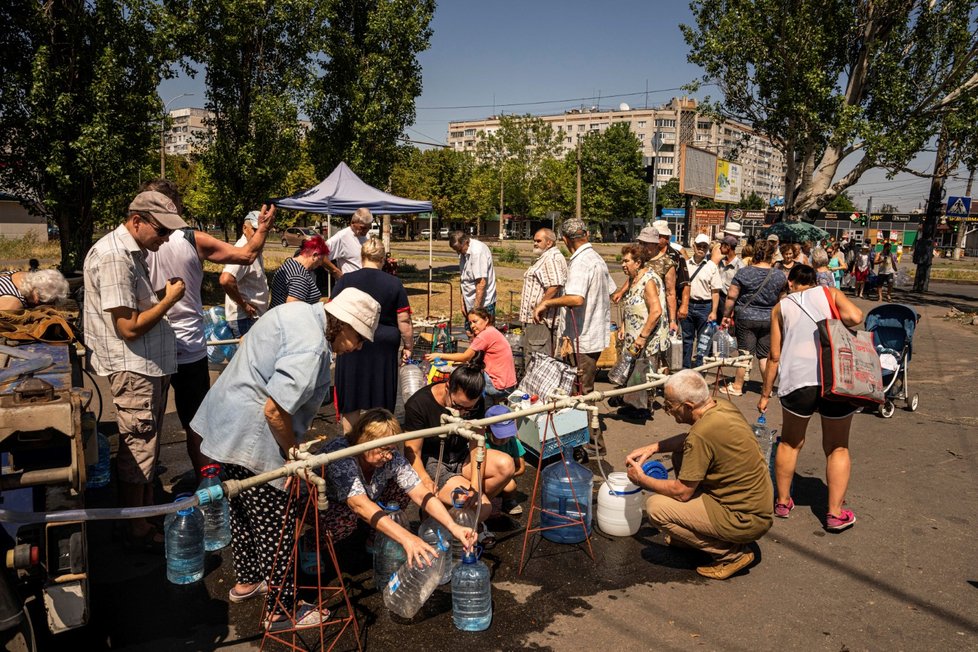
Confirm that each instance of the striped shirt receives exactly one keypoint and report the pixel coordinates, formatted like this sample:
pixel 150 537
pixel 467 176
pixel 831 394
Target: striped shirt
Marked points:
pixel 116 276
pixel 8 289
pixel 548 270
pixel 294 280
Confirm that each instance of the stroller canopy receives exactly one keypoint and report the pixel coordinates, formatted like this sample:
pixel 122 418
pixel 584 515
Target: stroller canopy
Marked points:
pixel 893 325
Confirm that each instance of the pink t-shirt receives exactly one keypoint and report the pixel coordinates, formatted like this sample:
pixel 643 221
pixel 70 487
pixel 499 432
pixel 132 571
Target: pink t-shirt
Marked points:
pixel 498 358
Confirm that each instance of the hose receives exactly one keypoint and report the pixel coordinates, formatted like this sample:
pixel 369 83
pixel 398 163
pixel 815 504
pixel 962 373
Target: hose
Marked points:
pixel 101 514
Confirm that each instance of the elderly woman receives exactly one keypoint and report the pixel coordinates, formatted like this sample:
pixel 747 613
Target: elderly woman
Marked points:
pixel 295 280
pixel 794 340
pixel 820 261
pixel 355 484
pixel 645 331
pixel 497 354
pixel 255 415
pixel 23 290
pixel 367 378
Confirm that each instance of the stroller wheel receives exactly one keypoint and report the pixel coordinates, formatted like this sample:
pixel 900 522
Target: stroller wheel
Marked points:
pixel 887 409
pixel 912 402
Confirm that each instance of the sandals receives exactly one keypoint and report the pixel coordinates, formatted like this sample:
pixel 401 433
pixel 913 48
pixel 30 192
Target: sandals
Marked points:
pixel 307 616
pixel 260 589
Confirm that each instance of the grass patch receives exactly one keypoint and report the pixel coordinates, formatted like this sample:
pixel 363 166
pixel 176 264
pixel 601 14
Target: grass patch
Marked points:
pixel 508 255
pixel 30 246
pixel 954 274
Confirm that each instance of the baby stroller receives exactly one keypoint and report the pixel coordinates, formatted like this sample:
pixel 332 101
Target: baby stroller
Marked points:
pixel 893 326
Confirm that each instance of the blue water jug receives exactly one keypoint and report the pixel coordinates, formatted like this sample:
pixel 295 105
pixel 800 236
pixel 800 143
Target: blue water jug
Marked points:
pixel 567 489
pixel 100 473
pixel 704 339
pixel 217 515
pixel 388 554
pixel 471 594
pixel 216 328
pixel 184 544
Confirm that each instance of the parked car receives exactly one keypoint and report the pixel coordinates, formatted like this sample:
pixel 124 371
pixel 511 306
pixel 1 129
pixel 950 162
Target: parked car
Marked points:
pixel 294 236
pixel 443 234
pixel 374 231
pixel 425 234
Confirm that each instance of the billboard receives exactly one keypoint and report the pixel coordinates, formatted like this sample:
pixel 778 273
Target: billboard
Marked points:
pixel 728 182
pixel 697 172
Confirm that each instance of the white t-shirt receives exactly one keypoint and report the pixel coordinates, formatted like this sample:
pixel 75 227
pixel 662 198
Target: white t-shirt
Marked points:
pixel 707 279
pixel 476 264
pixel 588 277
pixel 344 250
pixel 178 258
pixel 252 285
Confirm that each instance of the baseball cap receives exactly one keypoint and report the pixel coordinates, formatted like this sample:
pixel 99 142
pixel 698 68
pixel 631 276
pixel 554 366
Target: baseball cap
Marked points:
pixel 648 234
pixel 702 238
pixel 773 238
pixel 252 218
pixel 160 207
pixel 358 309
pixel 573 228
pixel 730 241
pixel 503 429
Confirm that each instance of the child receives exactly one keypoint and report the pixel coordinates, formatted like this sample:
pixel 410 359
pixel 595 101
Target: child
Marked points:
pixel 502 437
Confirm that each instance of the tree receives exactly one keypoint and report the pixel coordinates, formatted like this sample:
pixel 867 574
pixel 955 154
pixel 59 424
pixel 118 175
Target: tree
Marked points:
pixel 668 196
pixel 78 109
pixel 440 176
pixel 611 169
pixel 826 81
pixel 841 203
pixel 365 98
pixel 752 202
pixel 257 58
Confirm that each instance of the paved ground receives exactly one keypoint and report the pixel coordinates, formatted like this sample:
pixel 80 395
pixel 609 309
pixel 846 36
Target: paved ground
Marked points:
pixel 903 578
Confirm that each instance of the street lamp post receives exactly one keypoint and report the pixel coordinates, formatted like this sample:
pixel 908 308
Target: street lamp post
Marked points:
pixel 163 133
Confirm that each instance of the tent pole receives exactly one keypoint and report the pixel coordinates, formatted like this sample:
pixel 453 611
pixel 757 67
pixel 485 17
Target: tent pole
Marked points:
pixel 431 234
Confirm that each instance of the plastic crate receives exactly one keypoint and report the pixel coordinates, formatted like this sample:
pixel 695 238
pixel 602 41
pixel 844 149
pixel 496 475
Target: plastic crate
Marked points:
pixel 571 426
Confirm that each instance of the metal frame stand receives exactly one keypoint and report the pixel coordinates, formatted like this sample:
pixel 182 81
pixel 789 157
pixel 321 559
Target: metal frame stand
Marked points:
pixel 295 639
pixel 534 507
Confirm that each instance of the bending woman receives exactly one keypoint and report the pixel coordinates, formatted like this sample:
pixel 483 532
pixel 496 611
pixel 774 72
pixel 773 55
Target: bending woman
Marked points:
pixel 794 337
pixel 500 370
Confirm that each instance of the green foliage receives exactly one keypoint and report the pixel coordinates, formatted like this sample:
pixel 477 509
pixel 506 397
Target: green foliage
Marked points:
pixel 509 254
pixel 841 203
pixel 78 109
pixel 752 202
pixel 365 97
pixel 668 196
pixel 611 169
pixel 441 176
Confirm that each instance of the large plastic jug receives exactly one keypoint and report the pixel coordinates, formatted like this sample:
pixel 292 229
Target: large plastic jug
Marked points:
pixel 619 506
pixel 723 344
pixel 217 516
pixel 216 328
pixel 464 515
pixel 431 532
pixel 704 339
pixel 410 379
pixel 184 544
pixel 567 488
pixel 471 595
pixel 411 586
pixel 388 554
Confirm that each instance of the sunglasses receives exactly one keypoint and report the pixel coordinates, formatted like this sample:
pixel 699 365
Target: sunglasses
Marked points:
pixel 161 231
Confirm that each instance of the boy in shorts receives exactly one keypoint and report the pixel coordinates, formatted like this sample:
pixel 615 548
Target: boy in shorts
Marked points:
pixel 502 437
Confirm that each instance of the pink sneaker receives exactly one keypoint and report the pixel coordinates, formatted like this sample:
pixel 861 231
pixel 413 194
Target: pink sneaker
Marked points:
pixel 845 520
pixel 781 510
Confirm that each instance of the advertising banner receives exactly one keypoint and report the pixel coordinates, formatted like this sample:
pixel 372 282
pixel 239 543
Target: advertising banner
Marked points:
pixel 728 181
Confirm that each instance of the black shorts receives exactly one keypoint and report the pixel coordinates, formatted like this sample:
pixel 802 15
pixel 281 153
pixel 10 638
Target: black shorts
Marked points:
pixel 754 337
pixel 190 385
pixel 884 279
pixel 806 401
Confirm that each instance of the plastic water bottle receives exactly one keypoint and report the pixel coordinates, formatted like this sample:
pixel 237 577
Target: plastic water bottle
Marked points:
pixel 471 595
pixel 724 344
pixel 217 516
pixel 431 532
pixel 99 474
pixel 410 379
pixel 388 554
pixel 567 489
pixel 411 586
pixel 216 328
pixel 620 373
pixel 764 438
pixel 184 545
pixel 464 515
pixel 704 339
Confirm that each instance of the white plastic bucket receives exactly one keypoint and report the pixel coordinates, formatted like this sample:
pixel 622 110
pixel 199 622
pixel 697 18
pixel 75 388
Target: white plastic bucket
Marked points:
pixel 619 506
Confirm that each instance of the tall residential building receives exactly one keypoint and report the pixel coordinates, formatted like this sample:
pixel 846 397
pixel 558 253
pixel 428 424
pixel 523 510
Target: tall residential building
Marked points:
pixel 676 122
pixel 188 131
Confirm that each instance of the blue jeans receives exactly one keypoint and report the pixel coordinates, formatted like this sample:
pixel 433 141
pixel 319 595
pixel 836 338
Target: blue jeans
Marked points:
pixel 490 389
pixel 695 320
pixel 241 326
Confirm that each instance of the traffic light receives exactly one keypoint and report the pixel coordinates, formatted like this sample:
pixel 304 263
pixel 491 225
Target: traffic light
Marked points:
pixel 649 176
pixel 858 219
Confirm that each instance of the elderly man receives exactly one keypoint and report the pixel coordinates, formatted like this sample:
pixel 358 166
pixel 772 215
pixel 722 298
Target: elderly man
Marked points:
pixel 543 280
pixel 704 296
pixel 245 286
pixel 132 344
pixel 344 246
pixel 728 263
pixel 478 278
pixel 721 499
pixel 182 256
pixel 587 309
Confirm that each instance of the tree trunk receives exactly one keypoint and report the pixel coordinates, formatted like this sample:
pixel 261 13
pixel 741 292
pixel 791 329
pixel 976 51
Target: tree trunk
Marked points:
pixel 923 253
pixel 963 226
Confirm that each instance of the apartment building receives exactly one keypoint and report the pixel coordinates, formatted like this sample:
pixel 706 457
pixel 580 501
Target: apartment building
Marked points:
pixel 676 123
pixel 188 131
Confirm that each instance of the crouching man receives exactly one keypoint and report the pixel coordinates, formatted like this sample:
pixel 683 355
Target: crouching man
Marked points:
pixel 721 499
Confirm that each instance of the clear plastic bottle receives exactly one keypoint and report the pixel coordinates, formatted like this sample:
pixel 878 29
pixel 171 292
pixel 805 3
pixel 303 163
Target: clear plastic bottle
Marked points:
pixel 705 338
pixel 184 545
pixel 567 490
pixel 464 515
pixel 411 586
pixel 99 474
pixel 217 515
pixel 723 344
pixel 471 595
pixel 764 438
pixel 388 554
pixel 410 379
pixel 431 532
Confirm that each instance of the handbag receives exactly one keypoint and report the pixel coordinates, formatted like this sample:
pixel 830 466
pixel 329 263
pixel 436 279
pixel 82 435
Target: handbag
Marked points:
pixel 848 366
pixel 545 375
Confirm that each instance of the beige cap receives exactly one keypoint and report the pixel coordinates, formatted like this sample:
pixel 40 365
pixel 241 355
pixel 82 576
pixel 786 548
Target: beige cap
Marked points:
pixel 773 238
pixel 702 238
pixel 160 207
pixel 648 234
pixel 734 229
pixel 358 309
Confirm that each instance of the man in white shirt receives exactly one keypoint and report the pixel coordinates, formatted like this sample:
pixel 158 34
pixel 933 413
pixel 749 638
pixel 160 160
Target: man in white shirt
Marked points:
pixel 543 280
pixel 344 245
pixel 704 296
pixel 586 302
pixel 245 286
pixel 478 282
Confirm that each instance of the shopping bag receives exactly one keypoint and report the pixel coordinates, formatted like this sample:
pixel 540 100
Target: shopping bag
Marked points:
pixel 849 367
pixel 545 375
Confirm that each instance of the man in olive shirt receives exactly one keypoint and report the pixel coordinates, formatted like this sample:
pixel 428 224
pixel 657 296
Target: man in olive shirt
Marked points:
pixel 721 499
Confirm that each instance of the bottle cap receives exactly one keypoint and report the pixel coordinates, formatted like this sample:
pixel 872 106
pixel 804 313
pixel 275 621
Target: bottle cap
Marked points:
pixel 655 469
pixel 762 419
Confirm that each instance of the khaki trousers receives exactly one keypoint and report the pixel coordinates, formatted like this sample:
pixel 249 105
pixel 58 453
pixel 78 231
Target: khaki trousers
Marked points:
pixel 689 523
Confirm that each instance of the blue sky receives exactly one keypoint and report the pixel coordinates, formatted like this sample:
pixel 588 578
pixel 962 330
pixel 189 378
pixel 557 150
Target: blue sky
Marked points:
pixel 529 55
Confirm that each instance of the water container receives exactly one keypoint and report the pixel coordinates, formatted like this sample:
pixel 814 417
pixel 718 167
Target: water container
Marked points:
pixel 216 328
pixel 622 370
pixel 217 516
pixel 471 595
pixel 184 544
pixel 723 344
pixel 464 515
pixel 655 469
pixel 388 554
pixel 704 339
pixel 431 531
pixel 765 438
pixel 567 488
pixel 619 506
pixel 410 379
pixel 100 473
pixel 411 586
pixel 675 358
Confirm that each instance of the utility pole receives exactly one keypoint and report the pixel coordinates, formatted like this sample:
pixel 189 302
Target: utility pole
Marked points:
pixel 963 224
pixel 501 186
pixel 577 207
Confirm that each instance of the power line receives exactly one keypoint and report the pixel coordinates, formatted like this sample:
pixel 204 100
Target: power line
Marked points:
pixel 537 103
